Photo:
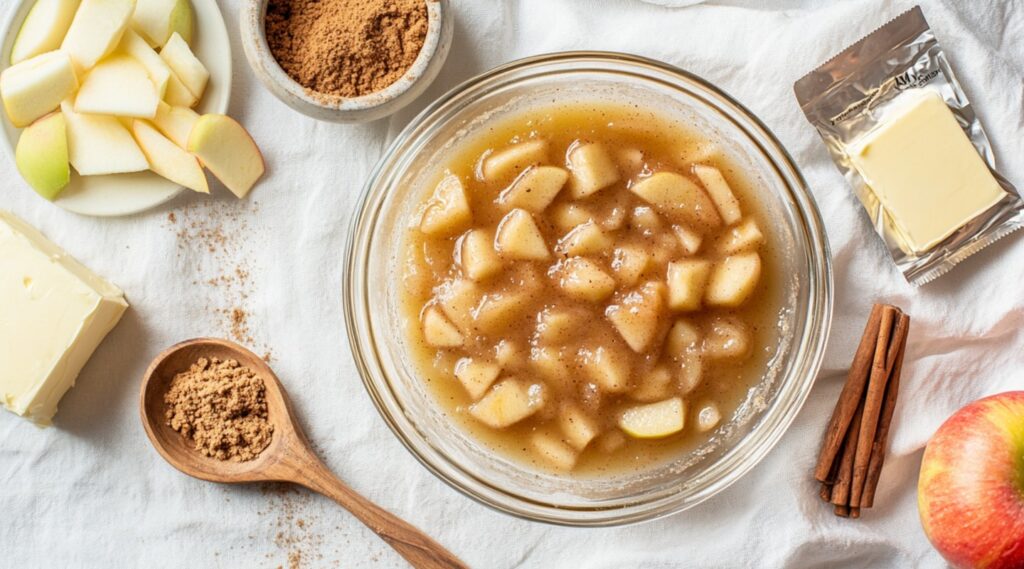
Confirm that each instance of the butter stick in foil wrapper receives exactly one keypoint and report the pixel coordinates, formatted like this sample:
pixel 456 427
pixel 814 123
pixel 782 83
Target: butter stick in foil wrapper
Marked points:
pixel 905 137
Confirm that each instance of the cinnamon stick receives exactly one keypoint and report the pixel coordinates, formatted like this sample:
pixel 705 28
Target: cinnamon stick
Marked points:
pixel 873 400
pixel 882 436
pixel 844 477
pixel 850 397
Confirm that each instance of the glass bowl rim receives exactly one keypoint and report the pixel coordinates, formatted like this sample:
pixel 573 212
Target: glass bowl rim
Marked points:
pixel 816 324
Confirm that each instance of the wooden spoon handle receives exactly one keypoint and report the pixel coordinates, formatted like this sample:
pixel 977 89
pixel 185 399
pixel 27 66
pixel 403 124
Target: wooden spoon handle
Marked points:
pixel 416 547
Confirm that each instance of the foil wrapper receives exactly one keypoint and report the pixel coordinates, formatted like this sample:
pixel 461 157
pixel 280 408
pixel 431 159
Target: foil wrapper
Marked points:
pixel 849 95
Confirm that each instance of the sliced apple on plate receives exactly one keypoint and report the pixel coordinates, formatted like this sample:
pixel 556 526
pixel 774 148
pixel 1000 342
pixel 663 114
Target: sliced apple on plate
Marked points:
pixel 96 30
pixel 156 20
pixel 35 87
pixel 42 155
pixel 179 57
pixel 654 420
pixel 43 29
pixel 119 86
pixel 168 159
pixel 99 144
pixel 178 95
pixel 175 123
pixel 159 72
pixel 227 151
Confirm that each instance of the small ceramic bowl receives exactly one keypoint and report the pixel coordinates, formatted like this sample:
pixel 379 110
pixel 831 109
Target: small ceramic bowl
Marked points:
pixel 354 109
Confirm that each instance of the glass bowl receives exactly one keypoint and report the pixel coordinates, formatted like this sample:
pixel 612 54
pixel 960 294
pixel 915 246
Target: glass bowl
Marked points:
pixel 371 292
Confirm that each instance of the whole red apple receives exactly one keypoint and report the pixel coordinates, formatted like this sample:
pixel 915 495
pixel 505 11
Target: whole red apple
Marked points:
pixel 971 491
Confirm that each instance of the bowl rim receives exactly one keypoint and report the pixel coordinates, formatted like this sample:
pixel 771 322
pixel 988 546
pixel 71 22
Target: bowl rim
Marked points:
pixel 421 73
pixel 813 343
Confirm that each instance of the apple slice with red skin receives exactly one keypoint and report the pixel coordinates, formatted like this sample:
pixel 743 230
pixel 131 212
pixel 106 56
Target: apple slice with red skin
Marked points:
pixel 971 489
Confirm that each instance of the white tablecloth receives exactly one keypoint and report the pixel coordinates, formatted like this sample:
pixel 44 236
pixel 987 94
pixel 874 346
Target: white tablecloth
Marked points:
pixel 92 493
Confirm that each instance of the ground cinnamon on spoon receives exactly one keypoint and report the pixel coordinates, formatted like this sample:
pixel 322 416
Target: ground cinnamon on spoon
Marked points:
pixel 346 48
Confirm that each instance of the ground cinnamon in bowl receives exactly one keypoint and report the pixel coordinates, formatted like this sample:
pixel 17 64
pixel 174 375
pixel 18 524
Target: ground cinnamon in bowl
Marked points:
pixel 345 48
pixel 220 407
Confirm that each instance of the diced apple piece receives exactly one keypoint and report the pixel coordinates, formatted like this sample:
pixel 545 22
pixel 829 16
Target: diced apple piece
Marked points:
pixel 637 315
pixel 156 20
pixel 169 160
pixel 159 73
pixel 584 279
pixel 615 217
pixel 42 155
pixel 654 386
pixel 447 212
pixel 744 237
pixel 702 152
pixel 629 263
pixel 99 144
pixel 500 310
pixel 686 281
pixel 683 337
pixel 727 338
pixel 579 429
pixel 119 86
pixel 592 169
pixel 680 199
pixel 179 57
pixel 708 417
pixel 585 239
pixel 175 122
pixel 567 216
pixel 555 452
pixel 476 376
pixel 608 368
pixel 505 164
pixel 35 87
pixel 43 29
pixel 508 402
pixel 535 189
pixel 691 371
pixel 510 354
pixel 734 279
pixel 654 420
pixel 550 365
pixel 177 94
pixel 477 257
pixel 439 332
pixel 518 237
pixel 611 441
pixel 96 30
pixel 646 219
pixel 227 151
pixel 689 239
pixel 630 159
pixel 555 326
pixel 720 192
pixel 459 299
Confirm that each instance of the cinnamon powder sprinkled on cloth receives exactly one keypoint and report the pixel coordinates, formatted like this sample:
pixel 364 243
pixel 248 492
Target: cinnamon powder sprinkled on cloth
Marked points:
pixel 221 407
pixel 346 48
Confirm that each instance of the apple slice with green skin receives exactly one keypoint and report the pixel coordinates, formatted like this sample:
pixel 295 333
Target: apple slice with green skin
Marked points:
pixel 99 144
pixel 156 20
pixel 118 86
pixel 179 57
pixel 168 159
pixel 43 29
pixel 35 87
pixel 175 123
pixel 971 490
pixel 654 420
pixel 159 72
pixel 227 151
pixel 42 155
pixel 96 31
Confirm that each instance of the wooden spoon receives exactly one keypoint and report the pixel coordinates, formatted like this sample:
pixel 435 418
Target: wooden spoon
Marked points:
pixel 288 458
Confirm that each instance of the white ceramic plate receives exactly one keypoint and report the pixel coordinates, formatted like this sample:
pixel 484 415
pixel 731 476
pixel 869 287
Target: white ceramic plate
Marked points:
pixel 124 194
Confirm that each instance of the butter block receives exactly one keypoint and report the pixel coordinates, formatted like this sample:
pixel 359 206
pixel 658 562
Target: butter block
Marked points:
pixel 924 170
pixel 54 312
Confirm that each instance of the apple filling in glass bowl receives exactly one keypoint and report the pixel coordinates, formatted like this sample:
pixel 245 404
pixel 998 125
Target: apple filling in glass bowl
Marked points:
pixel 590 287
